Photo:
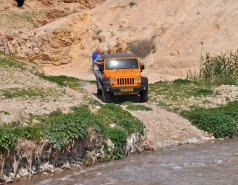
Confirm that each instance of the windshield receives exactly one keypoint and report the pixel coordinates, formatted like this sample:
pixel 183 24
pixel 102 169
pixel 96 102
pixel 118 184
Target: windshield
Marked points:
pixel 122 64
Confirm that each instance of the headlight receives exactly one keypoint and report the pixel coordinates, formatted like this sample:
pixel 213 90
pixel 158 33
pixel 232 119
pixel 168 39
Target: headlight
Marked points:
pixel 137 78
pixel 114 79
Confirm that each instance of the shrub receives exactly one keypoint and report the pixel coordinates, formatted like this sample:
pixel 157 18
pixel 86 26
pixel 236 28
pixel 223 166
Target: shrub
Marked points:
pixel 203 92
pixel 182 82
pixel 117 135
pixel 111 113
pixel 132 4
pixel 66 127
pixel 141 48
pixel 7 139
pixel 9 135
pixel 218 124
pixel 33 133
pixel 116 154
pixel 221 121
pixel 87 160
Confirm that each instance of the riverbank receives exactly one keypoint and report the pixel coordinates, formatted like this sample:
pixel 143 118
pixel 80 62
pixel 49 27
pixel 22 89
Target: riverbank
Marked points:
pixel 209 163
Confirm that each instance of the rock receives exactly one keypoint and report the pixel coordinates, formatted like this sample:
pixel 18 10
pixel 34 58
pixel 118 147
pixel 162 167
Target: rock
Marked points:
pixel 9 37
pixel 46 2
pixel 56 31
pixel 47 168
pixel 174 53
pixel 68 1
pixel 193 140
pixel 41 20
pixel 146 147
pixel 36 50
pixel 8 180
pixel 6 7
pixel 11 175
pixel 66 166
pixel 24 173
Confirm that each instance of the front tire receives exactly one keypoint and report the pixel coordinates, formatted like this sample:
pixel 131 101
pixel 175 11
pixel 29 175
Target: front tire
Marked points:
pixel 105 96
pixel 144 96
pixel 99 92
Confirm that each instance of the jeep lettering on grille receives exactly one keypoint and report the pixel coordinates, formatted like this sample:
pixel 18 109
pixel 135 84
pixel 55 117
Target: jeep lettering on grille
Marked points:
pixel 125 81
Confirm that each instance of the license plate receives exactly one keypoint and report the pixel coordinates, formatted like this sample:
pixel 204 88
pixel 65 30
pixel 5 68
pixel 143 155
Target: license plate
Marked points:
pixel 127 89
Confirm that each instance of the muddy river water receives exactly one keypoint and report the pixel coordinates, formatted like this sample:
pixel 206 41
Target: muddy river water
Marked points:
pixel 210 163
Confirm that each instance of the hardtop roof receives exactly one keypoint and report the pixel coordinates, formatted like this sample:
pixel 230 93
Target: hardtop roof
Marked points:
pixel 118 55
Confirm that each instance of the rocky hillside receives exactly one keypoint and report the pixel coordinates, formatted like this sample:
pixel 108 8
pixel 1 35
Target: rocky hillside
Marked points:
pixel 64 33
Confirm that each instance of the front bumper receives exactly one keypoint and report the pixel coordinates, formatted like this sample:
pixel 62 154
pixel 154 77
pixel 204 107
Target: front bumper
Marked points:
pixel 125 89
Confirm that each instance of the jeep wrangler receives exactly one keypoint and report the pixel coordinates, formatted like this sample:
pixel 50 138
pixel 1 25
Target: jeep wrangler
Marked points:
pixel 121 75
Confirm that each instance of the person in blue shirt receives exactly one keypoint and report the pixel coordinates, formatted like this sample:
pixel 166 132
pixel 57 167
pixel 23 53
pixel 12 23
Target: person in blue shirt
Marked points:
pixel 94 55
pixel 96 69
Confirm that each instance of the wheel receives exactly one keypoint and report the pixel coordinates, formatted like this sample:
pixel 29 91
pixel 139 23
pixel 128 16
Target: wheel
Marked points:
pixel 99 92
pixel 105 96
pixel 144 96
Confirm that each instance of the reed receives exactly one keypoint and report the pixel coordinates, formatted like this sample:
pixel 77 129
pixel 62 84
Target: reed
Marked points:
pixel 219 70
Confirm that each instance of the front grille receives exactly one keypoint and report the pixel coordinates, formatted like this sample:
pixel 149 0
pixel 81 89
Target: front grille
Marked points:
pixel 125 81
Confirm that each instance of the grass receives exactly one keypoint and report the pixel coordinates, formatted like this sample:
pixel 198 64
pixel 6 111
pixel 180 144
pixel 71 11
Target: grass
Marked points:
pixel 9 61
pixel 132 107
pixel 16 18
pixel 179 94
pixel 30 92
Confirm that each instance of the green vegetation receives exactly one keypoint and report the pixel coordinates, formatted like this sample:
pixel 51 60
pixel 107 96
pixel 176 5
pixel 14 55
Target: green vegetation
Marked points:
pixel 111 113
pixel 60 128
pixel 222 121
pixel 130 106
pixel 8 61
pixel 131 4
pixel 117 135
pixel 141 48
pixel 218 70
pixel 116 154
pixel 62 80
pixel 179 94
pixel 29 92
pixel 66 81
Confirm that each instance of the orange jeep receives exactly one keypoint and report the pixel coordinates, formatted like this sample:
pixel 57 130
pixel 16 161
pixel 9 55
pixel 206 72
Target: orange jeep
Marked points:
pixel 121 75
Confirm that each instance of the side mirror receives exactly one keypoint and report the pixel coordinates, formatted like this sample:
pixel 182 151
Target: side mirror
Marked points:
pixel 142 67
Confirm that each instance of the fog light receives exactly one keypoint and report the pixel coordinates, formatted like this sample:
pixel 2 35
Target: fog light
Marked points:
pixel 144 88
pixel 107 89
